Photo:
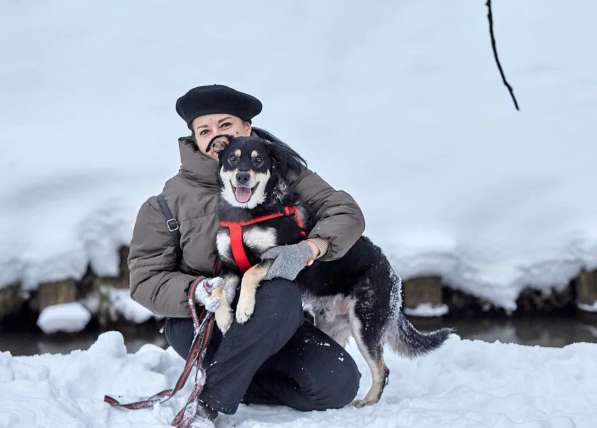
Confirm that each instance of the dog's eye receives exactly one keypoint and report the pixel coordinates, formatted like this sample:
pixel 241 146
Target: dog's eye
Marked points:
pixel 258 160
pixel 232 159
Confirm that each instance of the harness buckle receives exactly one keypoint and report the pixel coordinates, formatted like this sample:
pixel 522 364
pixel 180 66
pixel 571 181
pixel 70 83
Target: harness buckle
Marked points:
pixel 172 224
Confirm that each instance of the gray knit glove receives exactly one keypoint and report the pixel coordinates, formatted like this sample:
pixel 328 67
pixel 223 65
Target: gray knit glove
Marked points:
pixel 204 290
pixel 289 260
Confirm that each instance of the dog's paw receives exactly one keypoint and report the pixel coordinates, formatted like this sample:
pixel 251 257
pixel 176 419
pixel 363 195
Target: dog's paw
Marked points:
pixel 244 308
pixel 360 403
pixel 223 319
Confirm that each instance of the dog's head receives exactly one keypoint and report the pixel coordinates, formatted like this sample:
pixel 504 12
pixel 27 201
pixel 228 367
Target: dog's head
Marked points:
pixel 252 169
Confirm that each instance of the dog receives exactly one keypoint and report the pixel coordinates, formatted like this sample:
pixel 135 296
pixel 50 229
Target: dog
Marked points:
pixel 357 295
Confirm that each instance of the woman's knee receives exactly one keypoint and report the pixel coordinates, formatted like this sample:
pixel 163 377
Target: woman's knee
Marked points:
pixel 332 375
pixel 339 391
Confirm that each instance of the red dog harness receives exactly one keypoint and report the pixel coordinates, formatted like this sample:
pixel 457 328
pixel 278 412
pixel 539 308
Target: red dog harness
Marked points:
pixel 236 233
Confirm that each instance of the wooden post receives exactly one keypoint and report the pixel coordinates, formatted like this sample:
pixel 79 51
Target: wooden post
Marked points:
pixel 53 293
pixel 103 285
pixel 10 300
pixel 586 288
pixel 423 290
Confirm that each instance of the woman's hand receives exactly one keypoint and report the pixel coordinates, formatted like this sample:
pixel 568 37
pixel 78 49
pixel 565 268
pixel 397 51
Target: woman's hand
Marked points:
pixel 289 260
pixel 203 293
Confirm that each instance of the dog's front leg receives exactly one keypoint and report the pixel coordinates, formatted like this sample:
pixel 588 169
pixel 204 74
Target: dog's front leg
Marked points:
pixel 248 287
pixel 225 295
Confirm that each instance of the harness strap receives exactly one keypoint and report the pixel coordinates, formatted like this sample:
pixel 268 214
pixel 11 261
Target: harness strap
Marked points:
pixel 203 326
pixel 237 247
pixel 298 218
pixel 236 233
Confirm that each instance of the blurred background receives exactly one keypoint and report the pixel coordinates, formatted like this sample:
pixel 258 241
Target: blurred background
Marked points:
pixel 487 213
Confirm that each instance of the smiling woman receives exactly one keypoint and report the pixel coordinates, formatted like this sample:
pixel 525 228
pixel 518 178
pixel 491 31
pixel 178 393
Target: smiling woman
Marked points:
pixel 206 127
pixel 249 360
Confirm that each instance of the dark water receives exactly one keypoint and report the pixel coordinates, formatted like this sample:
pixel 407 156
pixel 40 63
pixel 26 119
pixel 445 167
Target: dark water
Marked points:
pixel 544 330
pixel 34 341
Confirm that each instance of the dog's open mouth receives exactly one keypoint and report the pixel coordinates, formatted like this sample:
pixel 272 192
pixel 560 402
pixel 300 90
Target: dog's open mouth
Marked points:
pixel 243 193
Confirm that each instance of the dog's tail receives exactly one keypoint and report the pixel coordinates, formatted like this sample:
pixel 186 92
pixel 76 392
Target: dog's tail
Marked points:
pixel 401 335
pixel 405 339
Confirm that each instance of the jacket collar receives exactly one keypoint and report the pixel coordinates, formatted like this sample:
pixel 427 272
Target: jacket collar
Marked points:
pixel 195 164
pixel 200 167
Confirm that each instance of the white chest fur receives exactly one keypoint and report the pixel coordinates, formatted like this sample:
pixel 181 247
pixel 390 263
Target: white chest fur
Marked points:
pixel 255 237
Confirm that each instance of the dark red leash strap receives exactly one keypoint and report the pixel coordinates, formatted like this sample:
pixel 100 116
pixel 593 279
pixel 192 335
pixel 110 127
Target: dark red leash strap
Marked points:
pixel 186 415
pixel 203 327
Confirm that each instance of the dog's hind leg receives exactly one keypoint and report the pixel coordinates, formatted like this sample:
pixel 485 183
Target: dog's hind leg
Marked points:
pixel 248 286
pixel 371 348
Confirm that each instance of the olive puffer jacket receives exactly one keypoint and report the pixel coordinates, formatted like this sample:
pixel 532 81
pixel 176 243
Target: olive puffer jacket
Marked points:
pixel 159 280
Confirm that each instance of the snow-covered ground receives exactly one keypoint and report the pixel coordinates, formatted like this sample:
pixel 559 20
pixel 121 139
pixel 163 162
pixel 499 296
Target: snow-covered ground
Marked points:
pixel 397 102
pixel 463 384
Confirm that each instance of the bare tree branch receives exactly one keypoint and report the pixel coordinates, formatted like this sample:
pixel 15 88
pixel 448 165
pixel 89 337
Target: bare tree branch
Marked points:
pixel 495 55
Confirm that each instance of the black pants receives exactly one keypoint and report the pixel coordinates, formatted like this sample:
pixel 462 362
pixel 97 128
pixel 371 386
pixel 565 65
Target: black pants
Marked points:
pixel 275 358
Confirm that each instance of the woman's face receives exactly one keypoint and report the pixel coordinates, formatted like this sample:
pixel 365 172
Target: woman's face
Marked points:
pixel 209 125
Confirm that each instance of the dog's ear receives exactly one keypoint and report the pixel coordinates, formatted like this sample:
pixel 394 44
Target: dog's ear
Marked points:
pixel 279 162
pixel 218 144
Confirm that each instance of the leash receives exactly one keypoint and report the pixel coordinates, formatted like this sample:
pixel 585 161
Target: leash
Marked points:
pixel 236 233
pixel 203 326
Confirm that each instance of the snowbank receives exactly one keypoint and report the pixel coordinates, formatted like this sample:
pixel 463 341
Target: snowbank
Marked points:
pixel 122 306
pixel 588 308
pixel 68 317
pixel 427 310
pixel 399 103
pixel 463 384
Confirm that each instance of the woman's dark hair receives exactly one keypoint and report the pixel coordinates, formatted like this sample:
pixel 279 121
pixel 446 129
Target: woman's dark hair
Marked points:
pixel 285 155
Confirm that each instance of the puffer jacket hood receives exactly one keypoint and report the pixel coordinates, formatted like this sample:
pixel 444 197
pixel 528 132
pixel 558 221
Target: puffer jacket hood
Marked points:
pixel 196 165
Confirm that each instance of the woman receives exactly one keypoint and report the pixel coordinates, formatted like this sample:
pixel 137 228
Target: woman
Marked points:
pixel 277 357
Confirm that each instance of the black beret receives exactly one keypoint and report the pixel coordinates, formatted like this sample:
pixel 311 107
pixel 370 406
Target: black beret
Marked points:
pixel 211 99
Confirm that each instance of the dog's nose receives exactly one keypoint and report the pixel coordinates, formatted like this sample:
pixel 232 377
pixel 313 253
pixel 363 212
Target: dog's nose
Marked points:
pixel 243 177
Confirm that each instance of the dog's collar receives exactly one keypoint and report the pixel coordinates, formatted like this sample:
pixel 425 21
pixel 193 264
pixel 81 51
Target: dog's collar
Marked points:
pixel 236 233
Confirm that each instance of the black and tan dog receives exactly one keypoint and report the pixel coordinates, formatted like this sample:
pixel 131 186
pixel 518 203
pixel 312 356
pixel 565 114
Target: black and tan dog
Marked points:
pixel 358 295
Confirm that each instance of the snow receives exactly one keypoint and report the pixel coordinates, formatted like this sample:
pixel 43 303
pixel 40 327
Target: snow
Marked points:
pixel 427 310
pixel 463 384
pixel 68 317
pixel 587 308
pixel 122 305
pixel 398 103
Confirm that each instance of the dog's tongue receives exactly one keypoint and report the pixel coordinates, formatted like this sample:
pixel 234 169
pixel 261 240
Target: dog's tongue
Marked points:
pixel 242 194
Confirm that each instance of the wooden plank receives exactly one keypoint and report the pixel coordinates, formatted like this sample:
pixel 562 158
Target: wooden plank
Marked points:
pixel 10 300
pixel 586 287
pixel 55 292
pixel 419 290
